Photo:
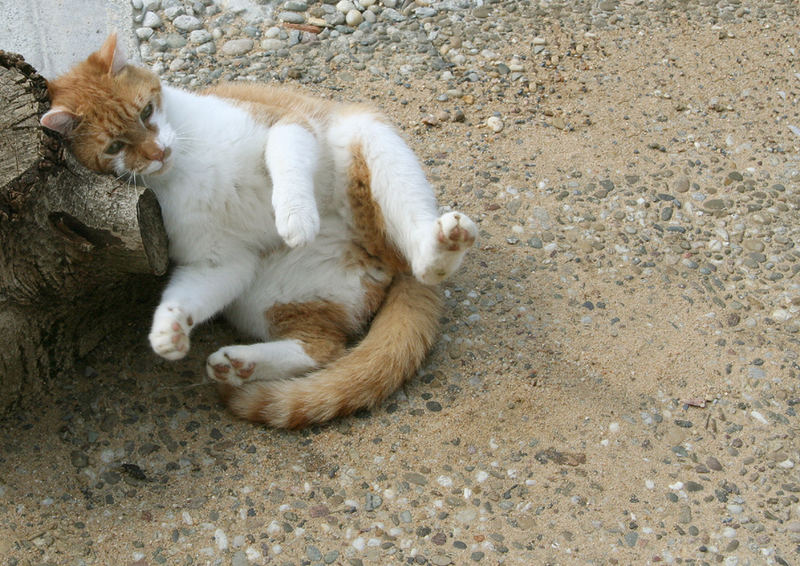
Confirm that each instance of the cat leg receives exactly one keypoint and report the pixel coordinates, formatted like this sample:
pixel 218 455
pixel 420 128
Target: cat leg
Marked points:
pixel 235 365
pixel 194 294
pixel 433 245
pixel 291 155
pixel 313 334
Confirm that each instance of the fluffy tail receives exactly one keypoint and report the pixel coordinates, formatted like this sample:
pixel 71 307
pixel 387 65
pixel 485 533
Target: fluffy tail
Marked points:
pixel 398 340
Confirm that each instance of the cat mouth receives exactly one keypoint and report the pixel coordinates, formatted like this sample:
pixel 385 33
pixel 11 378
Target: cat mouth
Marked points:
pixel 158 167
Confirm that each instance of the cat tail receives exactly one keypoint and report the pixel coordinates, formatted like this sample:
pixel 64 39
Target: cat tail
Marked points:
pixel 400 336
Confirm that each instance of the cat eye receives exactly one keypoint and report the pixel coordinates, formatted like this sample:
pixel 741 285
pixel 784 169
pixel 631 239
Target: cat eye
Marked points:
pixel 114 147
pixel 147 111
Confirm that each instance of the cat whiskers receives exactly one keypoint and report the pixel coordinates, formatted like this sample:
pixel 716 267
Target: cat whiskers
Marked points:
pixel 118 185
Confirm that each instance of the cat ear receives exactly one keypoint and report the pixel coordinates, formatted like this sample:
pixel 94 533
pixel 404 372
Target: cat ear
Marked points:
pixel 60 120
pixel 111 55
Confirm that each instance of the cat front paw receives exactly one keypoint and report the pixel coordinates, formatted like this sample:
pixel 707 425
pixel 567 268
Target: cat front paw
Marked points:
pixel 169 336
pixel 298 227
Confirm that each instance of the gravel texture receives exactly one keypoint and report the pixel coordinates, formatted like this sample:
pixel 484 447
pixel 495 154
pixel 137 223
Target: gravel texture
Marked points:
pixel 616 379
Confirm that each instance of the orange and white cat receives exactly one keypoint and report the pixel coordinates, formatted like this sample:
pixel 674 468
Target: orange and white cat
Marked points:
pixel 304 221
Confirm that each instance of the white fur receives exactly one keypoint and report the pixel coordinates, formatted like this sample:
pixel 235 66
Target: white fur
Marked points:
pixel 272 360
pixel 234 193
pixel 292 156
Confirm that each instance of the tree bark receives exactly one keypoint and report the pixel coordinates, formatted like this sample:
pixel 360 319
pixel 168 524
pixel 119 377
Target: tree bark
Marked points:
pixel 79 252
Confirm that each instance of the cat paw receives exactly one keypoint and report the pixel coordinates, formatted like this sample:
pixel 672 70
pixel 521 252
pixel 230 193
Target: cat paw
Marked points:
pixel 169 336
pixel 299 226
pixel 454 234
pixel 226 365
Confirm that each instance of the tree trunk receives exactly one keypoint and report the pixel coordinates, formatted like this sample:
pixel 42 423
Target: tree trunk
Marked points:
pixel 78 251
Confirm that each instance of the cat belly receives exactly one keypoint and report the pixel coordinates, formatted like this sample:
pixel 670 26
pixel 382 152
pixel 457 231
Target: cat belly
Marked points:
pixel 323 270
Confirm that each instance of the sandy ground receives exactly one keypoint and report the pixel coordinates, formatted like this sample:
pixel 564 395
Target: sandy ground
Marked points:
pixel 615 383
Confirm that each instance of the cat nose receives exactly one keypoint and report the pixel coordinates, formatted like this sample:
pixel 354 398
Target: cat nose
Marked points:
pixel 154 153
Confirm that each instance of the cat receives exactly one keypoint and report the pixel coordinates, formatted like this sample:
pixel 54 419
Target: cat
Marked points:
pixel 306 222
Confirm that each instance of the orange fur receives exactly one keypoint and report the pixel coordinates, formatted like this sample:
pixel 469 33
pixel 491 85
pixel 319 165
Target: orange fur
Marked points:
pixel 399 338
pixel 107 106
pixel 367 216
pixel 321 326
pixel 106 100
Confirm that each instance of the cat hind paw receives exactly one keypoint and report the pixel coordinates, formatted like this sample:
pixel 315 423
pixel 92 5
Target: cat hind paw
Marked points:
pixel 224 366
pixel 454 233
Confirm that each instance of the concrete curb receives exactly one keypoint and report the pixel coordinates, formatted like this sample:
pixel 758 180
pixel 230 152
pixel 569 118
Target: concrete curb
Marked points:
pixel 54 34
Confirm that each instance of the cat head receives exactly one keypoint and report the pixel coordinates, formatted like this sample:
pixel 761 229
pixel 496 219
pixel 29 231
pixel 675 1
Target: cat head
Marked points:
pixel 110 113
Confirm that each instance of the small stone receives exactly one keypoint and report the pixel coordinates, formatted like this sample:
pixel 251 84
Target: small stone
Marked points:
pixel 296 6
pixel 781 315
pixel 240 559
pixel 151 20
pixel 208 48
pixel 292 17
pixel 237 47
pixel 495 124
pixel 79 459
pixel 144 33
pixel 313 553
pixel 415 478
pixel 345 6
pixel 373 501
pixel 272 44
pixel 466 515
pixel 392 15
pixel 199 36
pixel 172 41
pixel 433 406
pixel 440 560
pixel 354 17
pixel 187 23
pixel 110 477
pixel 713 464
pixel 752 245
pixel 221 539
pixel 714 204
pixel 681 184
